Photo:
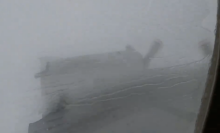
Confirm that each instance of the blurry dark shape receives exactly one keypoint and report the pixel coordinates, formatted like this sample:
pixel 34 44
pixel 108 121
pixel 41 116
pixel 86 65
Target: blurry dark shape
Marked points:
pixel 47 67
pixel 119 76
pixel 157 44
pixel 62 103
pixel 130 48
pixel 106 60
pixel 44 72
pixel 78 74
pixel 205 46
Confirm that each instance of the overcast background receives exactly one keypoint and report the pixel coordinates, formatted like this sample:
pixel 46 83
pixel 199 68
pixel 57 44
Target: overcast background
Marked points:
pixel 66 28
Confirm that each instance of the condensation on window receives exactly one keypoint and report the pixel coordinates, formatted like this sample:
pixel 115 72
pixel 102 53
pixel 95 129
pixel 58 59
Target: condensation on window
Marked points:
pixel 119 66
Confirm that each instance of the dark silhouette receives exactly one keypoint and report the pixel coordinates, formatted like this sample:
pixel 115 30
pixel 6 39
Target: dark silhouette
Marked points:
pixel 205 46
pixel 44 72
pixel 98 111
pixel 152 52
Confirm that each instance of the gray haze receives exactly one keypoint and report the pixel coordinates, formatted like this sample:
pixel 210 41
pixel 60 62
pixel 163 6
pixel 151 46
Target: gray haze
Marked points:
pixel 66 28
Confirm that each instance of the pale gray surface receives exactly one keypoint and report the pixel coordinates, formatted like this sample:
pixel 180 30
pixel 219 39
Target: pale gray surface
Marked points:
pixel 33 29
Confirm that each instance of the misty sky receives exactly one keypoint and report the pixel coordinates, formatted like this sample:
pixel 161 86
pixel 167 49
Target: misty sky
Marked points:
pixel 65 28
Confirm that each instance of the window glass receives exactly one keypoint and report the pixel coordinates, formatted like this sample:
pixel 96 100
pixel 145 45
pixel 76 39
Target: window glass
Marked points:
pixel 104 66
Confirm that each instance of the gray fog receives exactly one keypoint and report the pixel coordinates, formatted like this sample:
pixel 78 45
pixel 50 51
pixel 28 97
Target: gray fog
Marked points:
pixel 30 30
